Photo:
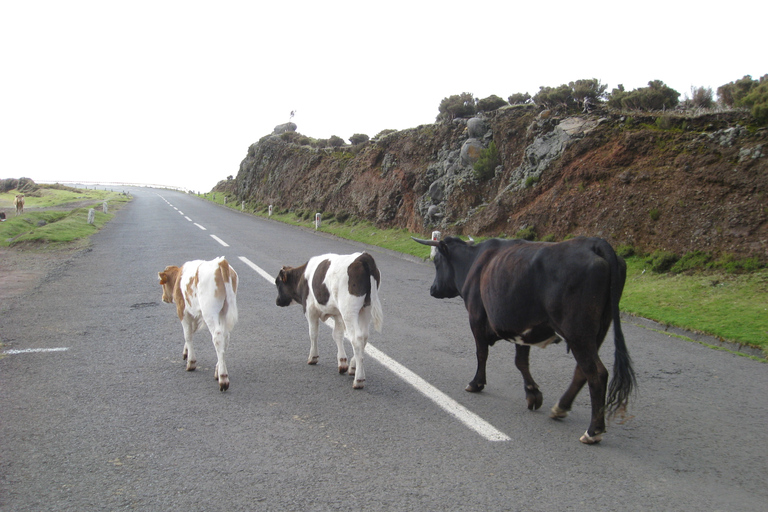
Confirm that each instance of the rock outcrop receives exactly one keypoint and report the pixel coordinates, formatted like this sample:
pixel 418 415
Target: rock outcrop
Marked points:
pixel 667 181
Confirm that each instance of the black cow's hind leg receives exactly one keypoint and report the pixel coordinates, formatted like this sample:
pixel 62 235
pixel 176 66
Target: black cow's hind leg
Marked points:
pixel 563 406
pixel 597 379
pixel 532 394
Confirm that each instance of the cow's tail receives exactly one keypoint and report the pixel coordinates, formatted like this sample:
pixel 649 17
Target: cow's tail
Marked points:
pixel 375 277
pixel 229 276
pixel 376 312
pixel 623 382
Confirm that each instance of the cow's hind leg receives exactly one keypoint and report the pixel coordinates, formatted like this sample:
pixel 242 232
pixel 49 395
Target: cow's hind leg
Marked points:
pixel 338 337
pixel 597 380
pixel 189 350
pixel 561 409
pixel 359 332
pixel 532 394
pixel 220 342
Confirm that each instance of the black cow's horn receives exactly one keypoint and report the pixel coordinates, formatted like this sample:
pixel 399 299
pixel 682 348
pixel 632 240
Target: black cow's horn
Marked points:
pixel 433 243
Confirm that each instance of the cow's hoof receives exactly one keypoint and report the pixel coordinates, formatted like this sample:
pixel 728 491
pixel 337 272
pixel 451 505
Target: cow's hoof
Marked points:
pixel 313 360
pixel 358 384
pixel 534 398
pixel 343 366
pixel 191 365
pixel 224 383
pixel 474 388
pixel 352 370
pixel 558 413
pixel 587 439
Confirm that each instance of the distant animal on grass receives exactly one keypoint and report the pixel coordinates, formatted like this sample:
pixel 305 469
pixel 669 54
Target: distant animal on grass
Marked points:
pixel 205 292
pixel 18 202
pixel 342 287
pixel 534 294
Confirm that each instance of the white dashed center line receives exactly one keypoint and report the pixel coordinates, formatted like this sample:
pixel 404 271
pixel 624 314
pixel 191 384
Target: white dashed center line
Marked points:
pixel 222 242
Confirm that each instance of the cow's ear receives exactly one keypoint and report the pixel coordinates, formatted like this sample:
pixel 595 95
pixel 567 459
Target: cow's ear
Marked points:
pixel 283 275
pixel 163 277
pixel 443 248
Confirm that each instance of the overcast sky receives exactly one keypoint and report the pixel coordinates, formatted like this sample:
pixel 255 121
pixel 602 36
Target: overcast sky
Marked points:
pixel 173 93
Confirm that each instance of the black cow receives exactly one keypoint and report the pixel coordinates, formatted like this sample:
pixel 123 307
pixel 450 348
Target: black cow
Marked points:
pixel 535 293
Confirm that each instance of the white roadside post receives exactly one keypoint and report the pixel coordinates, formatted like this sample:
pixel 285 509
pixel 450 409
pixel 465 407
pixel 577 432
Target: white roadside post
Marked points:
pixel 433 250
pixel 270 211
pixel 91 216
pixel 317 221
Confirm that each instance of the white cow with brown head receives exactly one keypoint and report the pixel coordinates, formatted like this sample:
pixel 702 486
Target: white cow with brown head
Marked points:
pixel 342 287
pixel 204 292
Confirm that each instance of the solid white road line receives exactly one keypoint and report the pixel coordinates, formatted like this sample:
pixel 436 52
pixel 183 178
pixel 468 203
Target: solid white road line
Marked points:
pixel 222 242
pixel 448 404
pixel 32 350
pixel 258 269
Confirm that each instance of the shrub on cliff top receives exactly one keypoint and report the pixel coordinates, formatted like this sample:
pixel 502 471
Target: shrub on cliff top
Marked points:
pixel 657 96
pixel 458 105
pixel 358 138
pixel 490 103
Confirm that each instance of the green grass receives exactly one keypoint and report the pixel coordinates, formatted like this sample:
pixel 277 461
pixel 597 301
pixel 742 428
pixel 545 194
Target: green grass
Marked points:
pixel 732 307
pixel 54 226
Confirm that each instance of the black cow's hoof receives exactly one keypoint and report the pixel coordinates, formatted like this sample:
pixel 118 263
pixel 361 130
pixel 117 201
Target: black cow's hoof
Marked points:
pixel 474 388
pixel 534 398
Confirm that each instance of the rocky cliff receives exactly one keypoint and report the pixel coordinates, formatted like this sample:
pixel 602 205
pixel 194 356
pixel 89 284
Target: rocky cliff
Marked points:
pixel 669 181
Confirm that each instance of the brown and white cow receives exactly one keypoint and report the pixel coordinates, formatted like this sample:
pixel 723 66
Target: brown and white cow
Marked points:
pixel 204 292
pixel 18 202
pixel 342 287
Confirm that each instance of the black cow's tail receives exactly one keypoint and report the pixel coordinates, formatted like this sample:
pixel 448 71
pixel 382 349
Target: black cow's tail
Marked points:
pixel 623 382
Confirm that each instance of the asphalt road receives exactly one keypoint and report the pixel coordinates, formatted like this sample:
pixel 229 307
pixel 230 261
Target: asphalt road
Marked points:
pixel 111 420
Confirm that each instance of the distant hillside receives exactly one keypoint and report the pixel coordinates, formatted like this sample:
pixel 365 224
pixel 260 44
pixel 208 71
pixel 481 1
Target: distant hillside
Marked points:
pixel 666 181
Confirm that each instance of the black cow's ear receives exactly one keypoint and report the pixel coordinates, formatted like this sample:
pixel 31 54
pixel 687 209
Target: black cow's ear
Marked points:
pixel 443 248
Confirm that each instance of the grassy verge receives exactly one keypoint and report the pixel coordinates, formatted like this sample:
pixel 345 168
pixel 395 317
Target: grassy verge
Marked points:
pixel 732 307
pixel 60 226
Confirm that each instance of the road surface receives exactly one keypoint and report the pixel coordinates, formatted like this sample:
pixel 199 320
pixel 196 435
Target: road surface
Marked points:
pixel 97 411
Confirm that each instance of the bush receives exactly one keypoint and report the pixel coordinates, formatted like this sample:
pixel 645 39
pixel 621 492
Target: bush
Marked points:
pixel 527 233
pixel 485 167
pixel 519 98
pixel 657 96
pixel 757 101
pixel 702 97
pixel 655 214
pixel 729 263
pixel 458 105
pixel 358 138
pixel 335 141
pixel 661 261
pixel 552 97
pixel 691 261
pixel 625 251
pixel 591 91
pixel 531 181
pixel 490 103
pixel 731 94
